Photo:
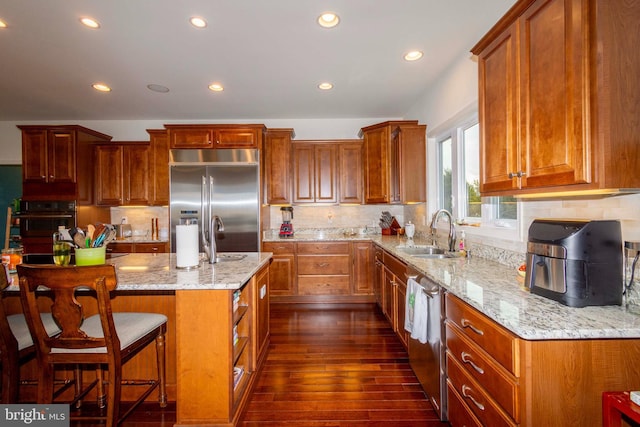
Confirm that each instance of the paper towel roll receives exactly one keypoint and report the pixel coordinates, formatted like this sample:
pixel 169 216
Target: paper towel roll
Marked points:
pixel 187 248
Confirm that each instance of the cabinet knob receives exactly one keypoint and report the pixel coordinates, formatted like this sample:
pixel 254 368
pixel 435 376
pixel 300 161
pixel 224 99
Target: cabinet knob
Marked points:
pixel 217 142
pixel 518 174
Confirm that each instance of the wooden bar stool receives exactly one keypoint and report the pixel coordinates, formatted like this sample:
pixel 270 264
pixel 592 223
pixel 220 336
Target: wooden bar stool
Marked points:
pixel 16 344
pixel 106 339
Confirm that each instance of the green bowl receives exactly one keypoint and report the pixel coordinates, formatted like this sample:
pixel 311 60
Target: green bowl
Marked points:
pixel 91 256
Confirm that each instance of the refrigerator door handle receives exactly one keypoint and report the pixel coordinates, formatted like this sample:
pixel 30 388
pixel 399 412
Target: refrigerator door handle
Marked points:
pixel 204 214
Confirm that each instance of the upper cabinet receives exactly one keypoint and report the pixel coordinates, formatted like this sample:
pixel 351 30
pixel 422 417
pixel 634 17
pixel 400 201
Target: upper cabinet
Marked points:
pixel 122 174
pixel 558 102
pixel 277 166
pixel 395 162
pixel 54 162
pixel 159 164
pixel 350 170
pixel 215 136
pixel 315 175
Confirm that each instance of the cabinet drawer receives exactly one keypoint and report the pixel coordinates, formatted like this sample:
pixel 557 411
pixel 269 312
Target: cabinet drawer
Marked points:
pixel 316 248
pixel 475 397
pixel 491 337
pixel 323 285
pixel 459 414
pixel 120 248
pixel 151 248
pixel 323 264
pixel 279 247
pixel 397 267
pixel 493 377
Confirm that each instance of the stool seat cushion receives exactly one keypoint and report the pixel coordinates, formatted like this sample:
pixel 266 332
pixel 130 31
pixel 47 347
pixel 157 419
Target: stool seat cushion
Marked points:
pixel 20 330
pixel 129 326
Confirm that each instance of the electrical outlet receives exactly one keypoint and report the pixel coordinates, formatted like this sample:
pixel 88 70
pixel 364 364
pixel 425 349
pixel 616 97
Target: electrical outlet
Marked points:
pixel 124 220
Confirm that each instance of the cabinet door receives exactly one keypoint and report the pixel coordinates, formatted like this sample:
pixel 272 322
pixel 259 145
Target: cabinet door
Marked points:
pixel 378 279
pixel 498 114
pixel 554 94
pixel 61 157
pixel 109 175
pixel 136 174
pixel 388 296
pixel 34 156
pixel 195 137
pixel 236 138
pixel 412 164
pixel 282 270
pixel 303 173
pixel 350 173
pixel 376 166
pixel 362 273
pixel 401 295
pixel 277 158
pixel 262 312
pixel 159 163
pixel 326 173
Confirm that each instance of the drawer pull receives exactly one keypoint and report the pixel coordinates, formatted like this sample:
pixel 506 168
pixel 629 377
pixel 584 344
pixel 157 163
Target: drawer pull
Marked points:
pixel 466 358
pixel 323 264
pixel 467 324
pixel 465 393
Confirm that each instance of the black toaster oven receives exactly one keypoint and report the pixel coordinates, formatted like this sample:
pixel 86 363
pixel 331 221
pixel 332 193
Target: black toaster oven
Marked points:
pixel 575 262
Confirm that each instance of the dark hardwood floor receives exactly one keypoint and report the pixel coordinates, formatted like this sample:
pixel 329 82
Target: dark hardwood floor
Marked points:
pixel 336 365
pixel 328 365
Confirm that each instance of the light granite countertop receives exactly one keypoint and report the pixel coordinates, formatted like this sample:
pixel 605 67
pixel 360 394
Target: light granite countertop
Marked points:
pixel 158 272
pixel 497 291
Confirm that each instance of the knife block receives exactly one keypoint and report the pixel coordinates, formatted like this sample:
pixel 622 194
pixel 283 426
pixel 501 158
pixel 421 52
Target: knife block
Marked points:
pixel 392 230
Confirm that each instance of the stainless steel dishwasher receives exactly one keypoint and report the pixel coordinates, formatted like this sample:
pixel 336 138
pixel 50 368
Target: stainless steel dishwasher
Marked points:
pixel 428 360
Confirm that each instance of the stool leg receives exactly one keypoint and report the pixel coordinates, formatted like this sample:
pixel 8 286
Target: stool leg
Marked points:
pixel 113 393
pixel 160 355
pixel 77 373
pixel 102 398
pixel 45 383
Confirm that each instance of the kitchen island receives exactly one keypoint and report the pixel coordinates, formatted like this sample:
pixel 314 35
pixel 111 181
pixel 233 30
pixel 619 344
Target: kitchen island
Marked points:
pixel 218 328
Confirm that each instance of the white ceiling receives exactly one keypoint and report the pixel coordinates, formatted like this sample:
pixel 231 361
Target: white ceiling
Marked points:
pixel 269 55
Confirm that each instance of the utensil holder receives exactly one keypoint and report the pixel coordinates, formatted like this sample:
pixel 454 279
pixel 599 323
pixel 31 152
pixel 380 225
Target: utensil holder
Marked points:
pixel 91 256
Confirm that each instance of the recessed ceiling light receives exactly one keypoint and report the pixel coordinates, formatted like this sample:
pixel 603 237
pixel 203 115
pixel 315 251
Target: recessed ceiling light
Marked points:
pixel 90 22
pixel 158 88
pixel 101 87
pixel 325 86
pixel 216 87
pixel 198 22
pixel 328 20
pixel 3 24
pixel 414 55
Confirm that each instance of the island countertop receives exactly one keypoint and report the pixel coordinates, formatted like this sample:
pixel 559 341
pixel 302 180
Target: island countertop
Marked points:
pixel 158 272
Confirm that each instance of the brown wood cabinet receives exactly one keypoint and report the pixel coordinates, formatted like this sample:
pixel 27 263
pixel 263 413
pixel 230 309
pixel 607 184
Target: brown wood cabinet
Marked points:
pixel 350 170
pixel 315 176
pixel 558 108
pixel 122 173
pixel 362 267
pixel 138 247
pixel 395 290
pixel 55 162
pixel 395 162
pixel 215 136
pixel 324 268
pixel 496 378
pixel 282 271
pixel 159 163
pixel 261 318
pixel 277 166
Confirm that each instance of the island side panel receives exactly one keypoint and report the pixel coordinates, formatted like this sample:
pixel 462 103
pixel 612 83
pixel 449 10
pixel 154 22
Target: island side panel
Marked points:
pixel 204 356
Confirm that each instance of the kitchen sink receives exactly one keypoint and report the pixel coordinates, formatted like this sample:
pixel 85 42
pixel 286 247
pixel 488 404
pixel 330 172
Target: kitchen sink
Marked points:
pixel 422 250
pixel 426 252
pixel 229 257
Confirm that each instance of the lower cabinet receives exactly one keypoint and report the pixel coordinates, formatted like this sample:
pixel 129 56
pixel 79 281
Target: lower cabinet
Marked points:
pixel 327 271
pixel 138 247
pixel 496 378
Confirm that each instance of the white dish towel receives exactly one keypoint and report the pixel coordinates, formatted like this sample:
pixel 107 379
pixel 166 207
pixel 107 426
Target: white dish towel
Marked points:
pixel 416 311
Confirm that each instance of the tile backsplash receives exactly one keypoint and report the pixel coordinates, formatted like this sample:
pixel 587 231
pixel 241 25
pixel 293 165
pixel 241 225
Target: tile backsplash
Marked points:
pixel 140 218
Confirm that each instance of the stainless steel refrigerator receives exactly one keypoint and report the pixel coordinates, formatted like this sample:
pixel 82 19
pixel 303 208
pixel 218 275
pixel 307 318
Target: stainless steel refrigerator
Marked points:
pixel 217 182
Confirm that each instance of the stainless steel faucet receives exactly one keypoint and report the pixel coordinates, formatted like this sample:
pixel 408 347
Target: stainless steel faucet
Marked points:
pixel 210 245
pixel 452 231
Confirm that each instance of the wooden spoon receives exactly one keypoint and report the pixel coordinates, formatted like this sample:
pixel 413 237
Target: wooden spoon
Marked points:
pixel 91 229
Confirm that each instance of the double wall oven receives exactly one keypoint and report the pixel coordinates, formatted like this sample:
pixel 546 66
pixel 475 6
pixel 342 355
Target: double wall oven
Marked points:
pixel 40 219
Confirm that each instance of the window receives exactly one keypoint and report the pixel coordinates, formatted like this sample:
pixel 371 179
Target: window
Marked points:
pixel 458 178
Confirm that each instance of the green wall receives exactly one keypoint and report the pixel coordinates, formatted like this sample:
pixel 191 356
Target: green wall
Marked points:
pixel 10 188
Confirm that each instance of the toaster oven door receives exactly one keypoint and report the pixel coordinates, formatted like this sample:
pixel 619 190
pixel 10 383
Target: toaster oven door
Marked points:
pixel 546 272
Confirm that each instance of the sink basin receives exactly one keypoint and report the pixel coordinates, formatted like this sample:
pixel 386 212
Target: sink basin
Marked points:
pixel 423 250
pixel 432 256
pixel 229 257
